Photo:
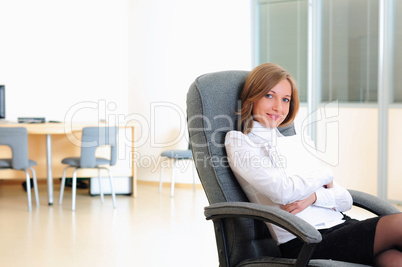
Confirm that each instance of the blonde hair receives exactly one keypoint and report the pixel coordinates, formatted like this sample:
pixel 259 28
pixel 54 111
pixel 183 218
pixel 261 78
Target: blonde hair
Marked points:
pixel 259 82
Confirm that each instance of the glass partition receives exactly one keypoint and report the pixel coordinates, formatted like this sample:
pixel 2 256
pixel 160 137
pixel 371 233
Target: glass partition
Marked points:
pixel 349 50
pixel 394 166
pixel 397 64
pixel 282 38
pixel 355 60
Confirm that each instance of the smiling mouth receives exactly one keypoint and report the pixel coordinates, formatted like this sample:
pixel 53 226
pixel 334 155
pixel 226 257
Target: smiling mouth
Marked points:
pixel 274 117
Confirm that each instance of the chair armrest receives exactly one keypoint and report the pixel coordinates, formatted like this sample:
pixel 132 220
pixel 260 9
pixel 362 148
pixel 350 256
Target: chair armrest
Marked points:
pixel 281 218
pixel 372 203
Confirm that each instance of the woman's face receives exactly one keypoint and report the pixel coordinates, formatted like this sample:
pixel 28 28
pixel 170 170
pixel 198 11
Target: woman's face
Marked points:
pixel 272 109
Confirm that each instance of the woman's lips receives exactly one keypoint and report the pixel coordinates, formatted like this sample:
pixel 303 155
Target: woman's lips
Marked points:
pixel 274 116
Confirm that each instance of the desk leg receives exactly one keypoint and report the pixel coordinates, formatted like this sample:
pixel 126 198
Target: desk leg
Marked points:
pixel 133 167
pixel 49 169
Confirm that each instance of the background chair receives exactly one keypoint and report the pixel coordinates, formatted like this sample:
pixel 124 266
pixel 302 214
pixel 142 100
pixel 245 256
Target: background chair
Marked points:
pixel 175 155
pixel 92 138
pixel 242 237
pixel 17 139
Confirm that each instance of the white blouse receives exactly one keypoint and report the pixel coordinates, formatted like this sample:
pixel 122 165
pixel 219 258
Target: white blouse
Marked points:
pixel 276 170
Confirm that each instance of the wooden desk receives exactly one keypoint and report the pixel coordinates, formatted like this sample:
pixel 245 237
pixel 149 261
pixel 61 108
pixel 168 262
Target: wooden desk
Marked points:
pixel 72 132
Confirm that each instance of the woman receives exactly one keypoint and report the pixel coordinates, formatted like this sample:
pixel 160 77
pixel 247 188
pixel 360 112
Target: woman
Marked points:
pixel 277 171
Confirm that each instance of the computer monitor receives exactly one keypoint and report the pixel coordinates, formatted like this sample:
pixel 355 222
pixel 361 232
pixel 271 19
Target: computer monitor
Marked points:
pixel 2 102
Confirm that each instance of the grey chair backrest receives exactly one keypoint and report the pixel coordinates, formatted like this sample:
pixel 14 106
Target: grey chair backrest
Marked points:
pixel 212 102
pixel 17 139
pixel 92 138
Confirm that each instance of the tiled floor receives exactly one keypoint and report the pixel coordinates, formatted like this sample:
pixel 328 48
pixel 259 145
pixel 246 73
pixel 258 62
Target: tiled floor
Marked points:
pixel 150 230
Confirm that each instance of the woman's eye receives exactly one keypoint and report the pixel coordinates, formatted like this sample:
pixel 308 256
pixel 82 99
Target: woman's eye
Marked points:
pixel 269 96
pixel 286 100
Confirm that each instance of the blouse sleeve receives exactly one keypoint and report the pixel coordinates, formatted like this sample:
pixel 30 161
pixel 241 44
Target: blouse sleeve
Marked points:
pixel 251 163
pixel 336 198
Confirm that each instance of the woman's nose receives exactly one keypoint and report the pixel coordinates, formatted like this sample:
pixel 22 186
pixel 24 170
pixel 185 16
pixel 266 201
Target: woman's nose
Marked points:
pixel 277 106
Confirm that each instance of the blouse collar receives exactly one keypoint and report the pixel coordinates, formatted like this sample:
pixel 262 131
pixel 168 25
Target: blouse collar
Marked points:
pixel 263 132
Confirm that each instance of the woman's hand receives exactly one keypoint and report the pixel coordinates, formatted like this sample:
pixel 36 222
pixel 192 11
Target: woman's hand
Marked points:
pixel 330 185
pixel 300 205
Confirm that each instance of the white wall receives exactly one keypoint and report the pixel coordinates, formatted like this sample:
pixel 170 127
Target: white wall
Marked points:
pixel 74 58
pixel 347 139
pixel 171 43
pixel 60 55
pixel 394 154
pixel 56 56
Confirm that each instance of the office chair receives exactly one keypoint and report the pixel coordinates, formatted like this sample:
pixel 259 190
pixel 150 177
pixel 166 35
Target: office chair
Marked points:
pixel 92 138
pixel 175 155
pixel 17 139
pixel 242 237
